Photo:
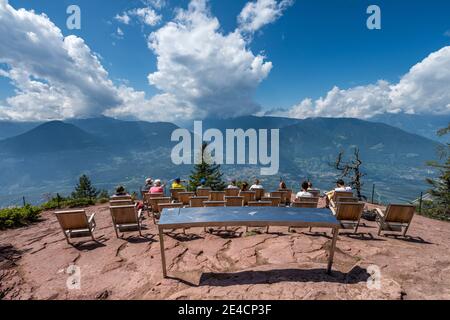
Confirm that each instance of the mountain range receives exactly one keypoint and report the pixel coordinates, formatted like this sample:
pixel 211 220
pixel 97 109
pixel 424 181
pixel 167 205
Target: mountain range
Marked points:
pixel 45 158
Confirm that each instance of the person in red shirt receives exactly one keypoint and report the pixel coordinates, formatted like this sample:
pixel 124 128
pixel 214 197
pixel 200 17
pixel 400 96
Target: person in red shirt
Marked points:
pixel 157 188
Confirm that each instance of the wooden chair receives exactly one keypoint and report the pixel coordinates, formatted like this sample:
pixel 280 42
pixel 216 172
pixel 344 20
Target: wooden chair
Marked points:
pixel 76 223
pixel 275 201
pixel 349 214
pixel 279 194
pixel 259 194
pixel 214 203
pixel 115 198
pixel 234 201
pixel 248 196
pixel 118 203
pixel 149 196
pixel 203 192
pixel 185 197
pixel 308 199
pixel 315 192
pixel 260 203
pixel 304 204
pixel 217 196
pixel 288 195
pixel 125 218
pixel 174 194
pixel 197 202
pixel 340 194
pixel 396 218
pixel 155 202
pixel 232 192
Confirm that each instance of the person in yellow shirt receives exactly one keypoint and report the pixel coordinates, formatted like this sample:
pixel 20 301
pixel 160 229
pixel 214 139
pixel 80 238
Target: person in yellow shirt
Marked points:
pixel 177 184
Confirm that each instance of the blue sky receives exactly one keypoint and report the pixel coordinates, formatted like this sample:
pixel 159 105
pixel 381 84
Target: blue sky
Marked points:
pixel 313 45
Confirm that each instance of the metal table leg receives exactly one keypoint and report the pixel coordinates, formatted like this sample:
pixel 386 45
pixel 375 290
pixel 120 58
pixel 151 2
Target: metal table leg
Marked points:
pixel 163 255
pixel 332 249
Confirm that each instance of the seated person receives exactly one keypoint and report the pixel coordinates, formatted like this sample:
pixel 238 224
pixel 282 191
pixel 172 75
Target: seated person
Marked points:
pixel 177 184
pixel 282 186
pixel 244 186
pixel 120 192
pixel 148 185
pixel 233 185
pixel 340 187
pixel 304 192
pixel 157 188
pixel 203 184
pixel 257 185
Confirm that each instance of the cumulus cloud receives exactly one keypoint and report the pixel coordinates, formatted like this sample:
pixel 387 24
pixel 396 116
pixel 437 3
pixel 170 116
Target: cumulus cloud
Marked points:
pixel 55 76
pixel 259 13
pixel 201 71
pixel 215 74
pixel 147 16
pixel 424 89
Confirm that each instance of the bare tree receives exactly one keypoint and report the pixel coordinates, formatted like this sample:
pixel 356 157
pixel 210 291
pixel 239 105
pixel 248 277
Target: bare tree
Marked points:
pixel 352 170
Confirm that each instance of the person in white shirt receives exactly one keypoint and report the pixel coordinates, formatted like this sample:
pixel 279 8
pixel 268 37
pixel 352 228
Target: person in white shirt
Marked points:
pixel 304 192
pixel 233 185
pixel 256 186
pixel 340 187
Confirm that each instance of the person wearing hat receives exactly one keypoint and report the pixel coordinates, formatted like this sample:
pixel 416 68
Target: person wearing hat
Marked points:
pixel 203 184
pixel 157 188
pixel 177 184
pixel 148 185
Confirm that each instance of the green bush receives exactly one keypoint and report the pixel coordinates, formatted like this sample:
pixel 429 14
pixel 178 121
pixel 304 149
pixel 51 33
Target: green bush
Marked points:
pixel 434 211
pixel 17 217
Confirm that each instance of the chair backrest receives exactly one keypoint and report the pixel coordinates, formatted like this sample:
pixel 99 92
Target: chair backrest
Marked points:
pixel 72 220
pixel 279 194
pixel 184 197
pixel 288 194
pixel 285 198
pixel 308 199
pixel 232 192
pixel 349 211
pixel 304 204
pixel 234 201
pixel 399 213
pixel 156 201
pixel 124 214
pixel 115 198
pixel 214 203
pixel 315 192
pixel 259 194
pixel 118 203
pixel 275 201
pixel 342 194
pixel 217 196
pixel 203 192
pixel 248 196
pixel 347 200
pixel 149 196
pixel 197 202
pixel 260 203
pixel 174 193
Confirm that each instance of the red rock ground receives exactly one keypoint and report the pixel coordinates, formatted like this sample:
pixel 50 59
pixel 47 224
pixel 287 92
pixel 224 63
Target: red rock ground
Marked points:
pixel 278 265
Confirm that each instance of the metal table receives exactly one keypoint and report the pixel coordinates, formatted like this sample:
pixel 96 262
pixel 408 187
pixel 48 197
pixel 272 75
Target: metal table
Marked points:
pixel 180 218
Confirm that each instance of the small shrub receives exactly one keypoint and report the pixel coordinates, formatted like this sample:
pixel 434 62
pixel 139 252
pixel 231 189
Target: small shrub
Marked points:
pixel 18 217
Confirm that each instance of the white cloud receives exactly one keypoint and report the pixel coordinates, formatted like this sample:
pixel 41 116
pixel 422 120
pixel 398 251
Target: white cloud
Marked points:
pixel 147 16
pixel 200 71
pixel 424 89
pixel 54 76
pixel 257 14
pixel 123 18
pixel 213 73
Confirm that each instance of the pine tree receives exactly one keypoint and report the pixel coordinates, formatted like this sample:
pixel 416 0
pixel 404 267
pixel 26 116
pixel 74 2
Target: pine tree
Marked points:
pixel 441 186
pixel 84 189
pixel 210 172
